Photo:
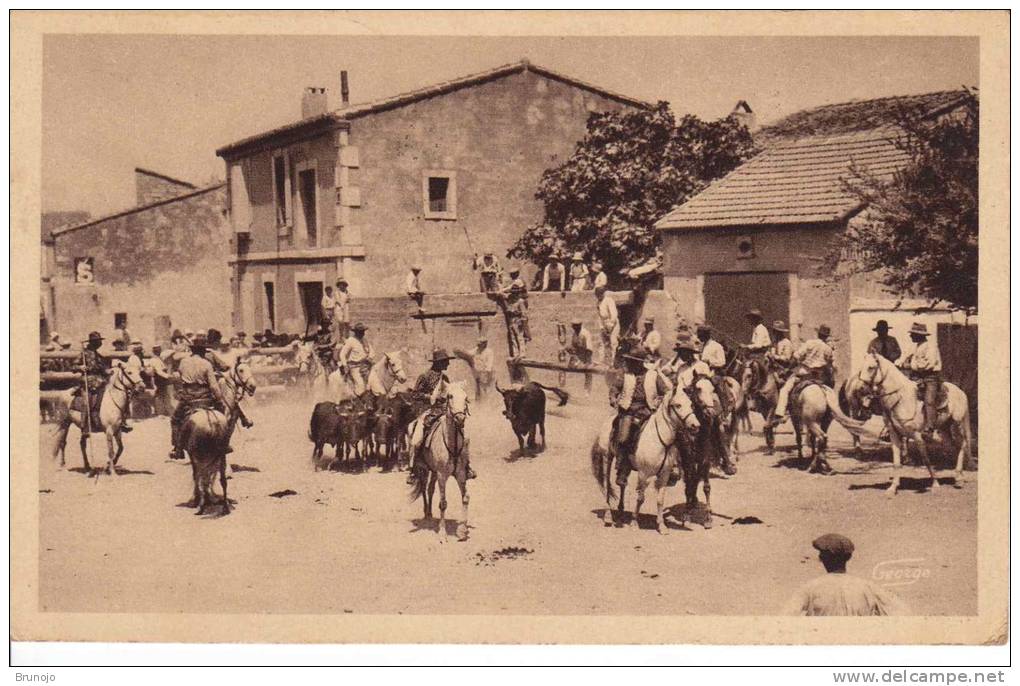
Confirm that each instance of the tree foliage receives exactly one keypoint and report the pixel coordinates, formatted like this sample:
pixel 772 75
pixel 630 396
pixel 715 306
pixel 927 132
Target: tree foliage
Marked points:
pixel 920 227
pixel 630 169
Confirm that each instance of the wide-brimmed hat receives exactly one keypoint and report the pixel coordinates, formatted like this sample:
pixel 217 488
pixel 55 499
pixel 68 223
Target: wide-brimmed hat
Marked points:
pixel 440 354
pixel 649 320
pixel 341 280
pixel 596 265
pixel 359 327
pixel 199 341
pixel 576 322
pixel 578 257
pixel 753 312
pixel 415 267
pixel 703 329
pixel 920 329
pixel 824 330
pixel 780 325
pixel 54 336
pixel 95 337
pixel 515 272
pixel 483 339
pixel 881 325
pixel 685 342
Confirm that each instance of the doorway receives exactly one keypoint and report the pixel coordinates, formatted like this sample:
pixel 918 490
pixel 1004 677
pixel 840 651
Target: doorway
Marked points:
pixel 729 296
pixel 311 303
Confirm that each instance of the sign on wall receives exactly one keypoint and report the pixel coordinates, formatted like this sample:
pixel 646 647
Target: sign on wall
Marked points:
pixel 83 270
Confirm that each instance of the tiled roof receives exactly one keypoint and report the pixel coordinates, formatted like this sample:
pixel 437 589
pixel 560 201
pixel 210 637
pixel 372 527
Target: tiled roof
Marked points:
pixel 341 116
pixel 792 182
pixel 799 177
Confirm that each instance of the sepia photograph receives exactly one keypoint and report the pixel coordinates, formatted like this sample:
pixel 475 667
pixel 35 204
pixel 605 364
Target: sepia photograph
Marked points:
pixel 380 328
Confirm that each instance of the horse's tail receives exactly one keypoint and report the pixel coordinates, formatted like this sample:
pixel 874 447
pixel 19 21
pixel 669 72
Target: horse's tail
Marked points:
pixel 558 392
pixel 844 402
pixel 852 425
pixel 600 469
pixel 418 478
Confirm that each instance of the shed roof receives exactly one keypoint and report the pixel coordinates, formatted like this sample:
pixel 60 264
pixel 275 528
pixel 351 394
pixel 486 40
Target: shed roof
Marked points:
pixel 342 116
pixel 799 177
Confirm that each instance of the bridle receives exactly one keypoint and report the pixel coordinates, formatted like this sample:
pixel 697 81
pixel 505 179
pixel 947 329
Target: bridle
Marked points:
pixel 874 383
pixel 117 376
pixel 239 385
pixel 681 419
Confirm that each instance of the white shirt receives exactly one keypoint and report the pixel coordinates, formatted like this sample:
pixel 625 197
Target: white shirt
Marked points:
pixel 630 384
pixel 652 341
pixel 414 282
pixel 600 280
pixel 713 354
pixel 354 351
pixel 342 306
pixel 483 360
pixel 327 304
pixel 608 314
pixel 760 339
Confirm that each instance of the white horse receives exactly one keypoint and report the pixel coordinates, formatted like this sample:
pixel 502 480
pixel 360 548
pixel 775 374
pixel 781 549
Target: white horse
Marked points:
pixel 655 455
pixel 113 408
pixel 444 454
pixel 904 414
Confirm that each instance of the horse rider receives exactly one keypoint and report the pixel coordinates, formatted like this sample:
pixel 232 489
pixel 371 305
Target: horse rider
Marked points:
pixel 95 369
pixel 341 310
pixel 924 364
pixel 610 320
pixel 780 357
pixel 578 273
pixel 517 299
pixel 713 354
pixel 600 278
pixel 355 359
pixel 815 362
pixel 581 348
pixel 161 380
pixel 431 389
pixel 324 346
pixel 214 340
pixel 635 404
pixel 682 367
pixel 651 340
pixel 199 389
pixel 761 342
pixel 884 344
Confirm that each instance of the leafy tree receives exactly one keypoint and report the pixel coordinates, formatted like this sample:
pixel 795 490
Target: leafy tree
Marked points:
pixel 630 169
pixel 920 228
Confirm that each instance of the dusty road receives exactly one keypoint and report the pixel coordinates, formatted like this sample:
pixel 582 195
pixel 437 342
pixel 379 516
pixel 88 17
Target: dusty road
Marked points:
pixel 354 543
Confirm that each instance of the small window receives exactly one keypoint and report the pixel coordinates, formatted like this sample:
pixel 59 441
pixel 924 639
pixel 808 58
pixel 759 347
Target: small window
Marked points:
pixel 439 191
pixel 120 320
pixel 270 288
pixel 307 194
pixel 745 247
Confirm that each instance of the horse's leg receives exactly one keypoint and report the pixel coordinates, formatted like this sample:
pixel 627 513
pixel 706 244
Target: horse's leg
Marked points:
pixel 61 440
pixel 82 441
pixel 120 448
pixel 223 483
pixel 201 489
pixel 706 486
pixel 607 459
pixel 800 442
pixel 195 495
pixel 898 444
pixel 661 482
pixel 462 528
pixel 619 504
pixel 111 458
pixel 962 429
pixel 639 494
pixel 927 462
pixel 541 426
pixel 432 477
pixel 442 507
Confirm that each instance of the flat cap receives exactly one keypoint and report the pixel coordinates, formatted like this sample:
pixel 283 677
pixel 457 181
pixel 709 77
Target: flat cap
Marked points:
pixel 834 544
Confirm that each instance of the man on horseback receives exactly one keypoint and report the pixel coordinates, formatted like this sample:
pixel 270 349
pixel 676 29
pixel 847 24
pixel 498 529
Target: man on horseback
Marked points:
pixel 884 344
pixel 95 369
pixel 713 354
pixel 431 390
pixel 760 339
pixel 355 359
pixel 634 405
pixel 214 340
pixel 324 345
pixel 815 364
pixel 651 340
pixel 199 389
pixel 924 364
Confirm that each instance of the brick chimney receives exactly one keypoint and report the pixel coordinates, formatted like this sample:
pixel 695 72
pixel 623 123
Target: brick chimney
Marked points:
pixel 313 102
pixel 345 93
pixel 743 113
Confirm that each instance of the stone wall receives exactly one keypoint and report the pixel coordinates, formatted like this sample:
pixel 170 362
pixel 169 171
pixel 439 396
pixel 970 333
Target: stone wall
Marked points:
pixel 151 187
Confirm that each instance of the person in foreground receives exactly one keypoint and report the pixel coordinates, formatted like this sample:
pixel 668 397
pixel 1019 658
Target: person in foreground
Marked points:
pixel 838 594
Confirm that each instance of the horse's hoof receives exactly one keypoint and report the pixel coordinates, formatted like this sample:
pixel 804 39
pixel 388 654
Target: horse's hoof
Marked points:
pixel 893 487
pixel 191 503
pixel 462 533
pixel 708 523
pixel 200 511
pixel 663 531
pixel 225 510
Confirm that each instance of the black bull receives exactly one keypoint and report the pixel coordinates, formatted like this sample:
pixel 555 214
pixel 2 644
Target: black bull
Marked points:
pixel 525 408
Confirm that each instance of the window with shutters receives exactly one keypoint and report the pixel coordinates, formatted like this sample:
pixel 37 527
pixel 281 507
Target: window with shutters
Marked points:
pixel 281 192
pixel 439 194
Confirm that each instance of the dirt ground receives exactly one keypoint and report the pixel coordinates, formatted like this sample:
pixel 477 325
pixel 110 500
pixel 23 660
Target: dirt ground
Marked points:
pixel 354 543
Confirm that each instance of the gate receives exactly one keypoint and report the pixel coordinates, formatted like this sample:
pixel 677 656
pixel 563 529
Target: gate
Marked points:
pixel 958 347
pixel 729 296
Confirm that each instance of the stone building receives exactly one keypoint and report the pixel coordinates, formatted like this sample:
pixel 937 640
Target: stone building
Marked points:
pixel 757 238
pixel 431 176
pixel 151 268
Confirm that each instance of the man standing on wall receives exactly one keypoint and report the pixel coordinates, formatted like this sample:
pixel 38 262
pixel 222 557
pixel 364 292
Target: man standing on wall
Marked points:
pixel 326 305
pixel 341 311
pixel 610 320
pixel 414 290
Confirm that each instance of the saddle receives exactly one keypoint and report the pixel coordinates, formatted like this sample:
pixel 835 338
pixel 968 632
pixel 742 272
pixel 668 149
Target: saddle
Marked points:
pixel 941 396
pixel 799 387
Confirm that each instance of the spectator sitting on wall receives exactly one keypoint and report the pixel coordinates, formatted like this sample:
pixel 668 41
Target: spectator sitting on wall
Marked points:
pixel 490 279
pixel 414 289
pixel 599 278
pixel 554 274
pixel 578 273
pixel 327 303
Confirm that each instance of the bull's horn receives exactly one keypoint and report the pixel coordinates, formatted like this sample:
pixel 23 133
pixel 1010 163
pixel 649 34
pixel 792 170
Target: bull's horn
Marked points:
pixel 501 391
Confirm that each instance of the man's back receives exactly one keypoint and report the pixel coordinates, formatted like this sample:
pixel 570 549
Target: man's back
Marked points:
pixel 844 595
pixel 195 369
